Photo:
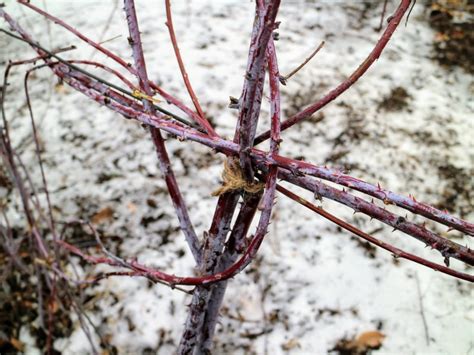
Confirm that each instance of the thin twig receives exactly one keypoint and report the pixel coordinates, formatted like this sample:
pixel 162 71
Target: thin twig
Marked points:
pixel 284 78
pixel 382 16
pixel 422 309
pixel 38 155
pixel 182 68
pixel 106 27
pixel 409 12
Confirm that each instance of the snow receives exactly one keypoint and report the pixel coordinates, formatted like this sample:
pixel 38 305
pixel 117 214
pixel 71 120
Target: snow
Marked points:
pixel 311 283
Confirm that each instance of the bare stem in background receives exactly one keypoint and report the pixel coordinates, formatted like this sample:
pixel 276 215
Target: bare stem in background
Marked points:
pixel 164 161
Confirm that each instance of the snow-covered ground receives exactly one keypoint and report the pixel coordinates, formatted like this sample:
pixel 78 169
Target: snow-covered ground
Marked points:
pixel 311 284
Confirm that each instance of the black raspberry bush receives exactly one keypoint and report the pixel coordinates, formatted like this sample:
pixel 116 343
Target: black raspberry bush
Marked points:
pixel 250 175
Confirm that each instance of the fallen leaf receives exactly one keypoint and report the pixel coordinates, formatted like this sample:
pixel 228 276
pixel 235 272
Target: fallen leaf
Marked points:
pixel 370 340
pixel 53 306
pixel 60 88
pixel 361 345
pixel 104 215
pixel 441 37
pixel 290 344
pixel 132 207
pixel 18 345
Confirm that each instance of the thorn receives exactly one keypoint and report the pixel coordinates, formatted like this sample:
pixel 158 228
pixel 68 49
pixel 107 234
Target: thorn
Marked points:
pixel 399 221
pixel 449 229
pixel 446 261
pixel 409 13
pixel 245 150
pixel 379 187
pixel 234 103
pixel 318 196
pixel 296 172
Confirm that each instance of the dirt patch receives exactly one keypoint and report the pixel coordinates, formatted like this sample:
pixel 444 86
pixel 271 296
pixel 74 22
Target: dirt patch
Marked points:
pixel 4 180
pixel 22 300
pixel 458 190
pixel 454 41
pixel 397 100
